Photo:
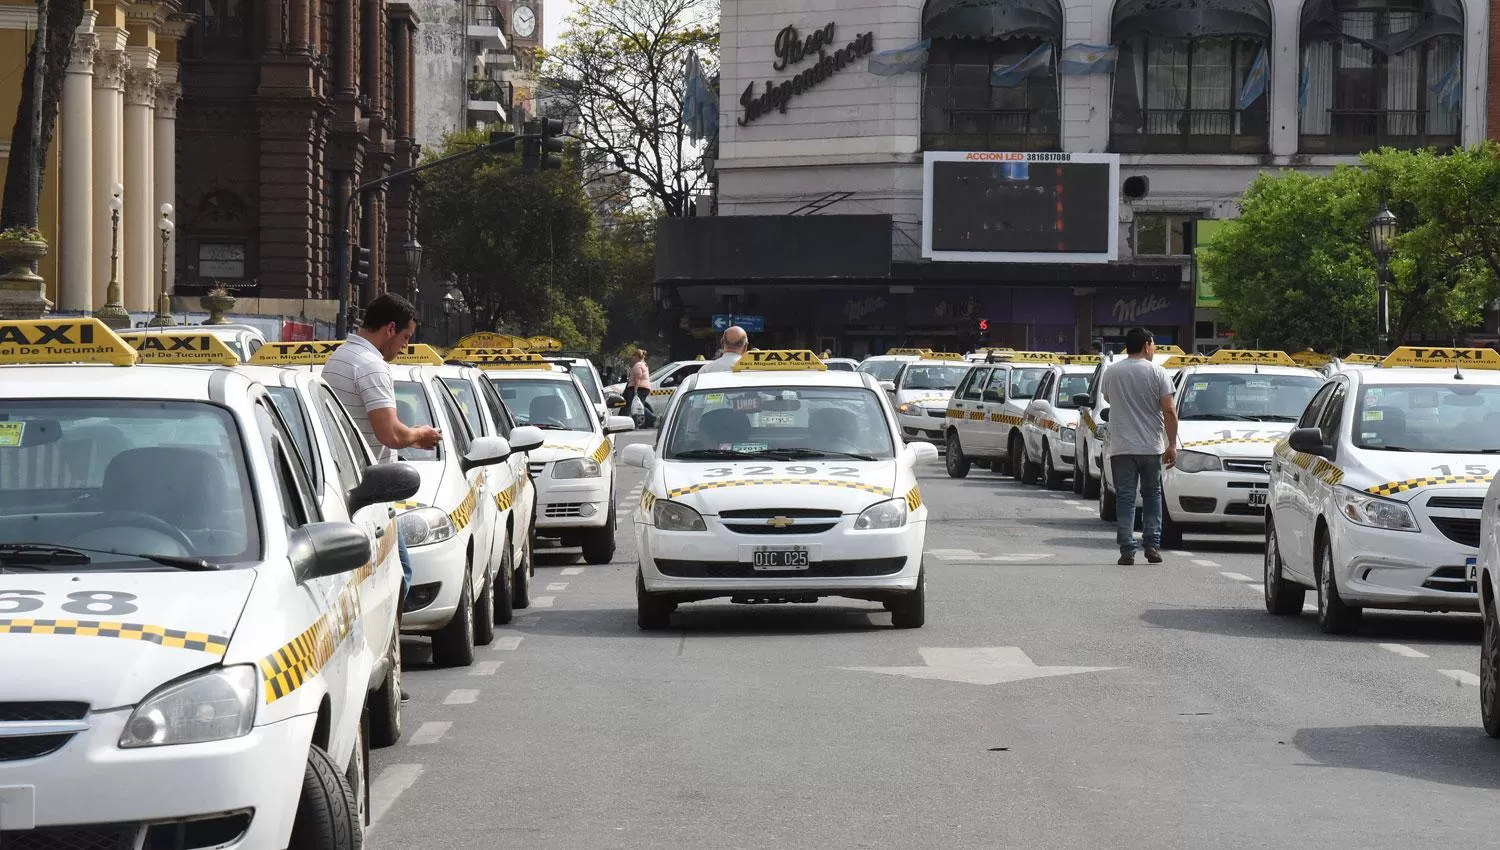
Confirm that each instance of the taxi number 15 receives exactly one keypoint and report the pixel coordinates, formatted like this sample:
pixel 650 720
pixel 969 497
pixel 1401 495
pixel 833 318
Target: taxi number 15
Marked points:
pixel 1471 469
pixel 796 469
pixel 99 602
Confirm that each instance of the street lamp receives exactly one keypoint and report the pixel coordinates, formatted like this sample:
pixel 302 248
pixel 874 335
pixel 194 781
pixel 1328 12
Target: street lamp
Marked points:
pixel 113 313
pixel 413 251
pixel 450 306
pixel 163 317
pixel 1383 229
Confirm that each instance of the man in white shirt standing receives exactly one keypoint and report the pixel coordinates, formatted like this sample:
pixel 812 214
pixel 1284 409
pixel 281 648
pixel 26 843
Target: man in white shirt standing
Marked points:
pixel 732 347
pixel 1142 437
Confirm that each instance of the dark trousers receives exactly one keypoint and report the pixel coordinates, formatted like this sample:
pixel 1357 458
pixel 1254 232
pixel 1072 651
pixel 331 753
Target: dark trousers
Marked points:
pixel 645 396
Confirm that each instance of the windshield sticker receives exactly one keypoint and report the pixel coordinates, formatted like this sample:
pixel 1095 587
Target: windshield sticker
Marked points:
pixel 752 447
pixel 775 419
pixel 1374 415
pixel 11 433
pixel 714 398
pixel 1200 385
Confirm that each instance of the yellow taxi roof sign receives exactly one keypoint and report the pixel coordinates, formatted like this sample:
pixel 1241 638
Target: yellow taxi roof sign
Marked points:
pixel 543 343
pixel 907 352
pixel 1250 357
pixel 489 339
pixel 311 353
pixel 1031 356
pixel 1079 359
pixel 460 353
pixel 199 347
pixel 944 355
pixel 418 354
pixel 508 360
pixel 1358 357
pixel 1180 361
pixel 83 340
pixel 1421 356
pixel 779 361
pixel 1311 359
pixel 1170 349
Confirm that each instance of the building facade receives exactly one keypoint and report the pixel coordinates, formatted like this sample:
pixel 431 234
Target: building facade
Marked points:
pixel 825 168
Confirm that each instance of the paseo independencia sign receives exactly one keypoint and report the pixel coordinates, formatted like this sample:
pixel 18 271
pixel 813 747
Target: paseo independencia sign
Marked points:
pixel 792 49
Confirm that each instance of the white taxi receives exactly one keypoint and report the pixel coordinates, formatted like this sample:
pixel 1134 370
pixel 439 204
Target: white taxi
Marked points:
pixel 1376 497
pixel 1049 426
pixel 183 627
pixel 883 367
pixel 1093 428
pixel 574 467
pixel 983 422
pixel 780 481
pixel 920 393
pixel 1230 413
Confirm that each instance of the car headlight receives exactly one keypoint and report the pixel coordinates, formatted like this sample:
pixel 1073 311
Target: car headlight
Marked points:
pixel 1070 435
pixel 887 514
pixel 1198 462
pixel 675 516
pixel 1365 509
pixel 212 706
pixel 425 526
pixel 904 408
pixel 576 467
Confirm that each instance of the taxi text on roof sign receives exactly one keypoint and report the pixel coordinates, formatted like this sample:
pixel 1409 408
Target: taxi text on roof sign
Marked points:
pixel 1170 349
pixel 1363 358
pixel 1428 357
pixel 63 341
pixel 775 361
pixel 543 343
pixel 508 360
pixel 418 354
pixel 1032 356
pixel 199 347
pixel 1079 359
pixel 1250 357
pixel 487 339
pixel 314 353
pixel 945 355
pixel 908 352
pixel 1311 359
pixel 1179 361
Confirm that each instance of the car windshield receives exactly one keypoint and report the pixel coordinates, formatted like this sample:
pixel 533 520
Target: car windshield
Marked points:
pixel 779 423
pixel 413 409
pixel 839 365
pixel 289 405
pixel 1440 418
pixel 1245 397
pixel 549 405
pixel 1023 382
pixel 662 373
pixel 1069 386
pixel 584 371
pixel 115 476
pixel 883 370
pixel 932 377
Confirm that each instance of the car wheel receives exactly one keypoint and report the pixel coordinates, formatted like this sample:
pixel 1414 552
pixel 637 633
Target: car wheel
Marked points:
pixel 652 612
pixel 385 703
pixel 1489 673
pixel 358 773
pixel 453 645
pixel 1050 476
pixel 1107 505
pixel 1015 457
pixel 327 810
pixel 909 610
pixel 503 599
pixel 958 465
pixel 1334 617
pixel 1171 529
pixel 1031 471
pixel 599 543
pixel 1079 475
pixel 1282 597
pixel 520 592
pixel 1090 481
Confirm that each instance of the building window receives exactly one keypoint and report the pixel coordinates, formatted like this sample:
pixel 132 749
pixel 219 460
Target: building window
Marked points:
pixel 221 31
pixel 1163 234
pixel 1175 95
pixel 962 110
pixel 1378 73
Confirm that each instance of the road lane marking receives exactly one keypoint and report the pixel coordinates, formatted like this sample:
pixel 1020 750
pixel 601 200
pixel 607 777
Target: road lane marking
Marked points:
pixel 572 571
pixel 543 601
pixel 485 668
pixel 557 586
pixel 389 786
pixel 1402 650
pixel 1237 576
pixel 980 665
pixel 1204 562
pixel 429 733
pixel 970 556
pixel 1462 677
pixel 1179 553
pixel 509 642
pixel 1258 588
pixel 461 697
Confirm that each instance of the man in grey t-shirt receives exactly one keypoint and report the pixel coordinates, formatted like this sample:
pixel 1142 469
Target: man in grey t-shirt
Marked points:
pixel 1141 437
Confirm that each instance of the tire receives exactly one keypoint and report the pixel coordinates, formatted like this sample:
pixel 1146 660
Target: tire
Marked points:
pixel 1079 475
pixel 1334 617
pixel 453 645
pixel 485 611
pixel 1489 673
pixel 1107 507
pixel 1090 482
pixel 599 543
pixel 1283 598
pixel 909 611
pixel 1171 529
pixel 385 702
pixel 1050 476
pixel 1015 457
pixel 652 613
pixel 1031 471
pixel 503 598
pixel 958 465
pixel 520 589
pixel 358 774
pixel 327 809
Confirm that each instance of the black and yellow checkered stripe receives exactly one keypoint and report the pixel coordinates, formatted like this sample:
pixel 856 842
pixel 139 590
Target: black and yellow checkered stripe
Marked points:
pixel 1391 488
pixel 406 505
pixel 462 515
pixel 1005 418
pixel 927 400
pixel 506 499
pixel 1318 467
pixel 914 499
pixel 159 635
pixel 955 413
pixel 977 415
pixel 648 499
pixel 1221 442
pixel 761 482
pixel 1089 423
pixel 287 668
pixel 662 392
pixel 602 453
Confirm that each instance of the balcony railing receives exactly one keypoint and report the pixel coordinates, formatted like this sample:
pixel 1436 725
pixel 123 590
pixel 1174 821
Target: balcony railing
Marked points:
pixel 1358 130
pixel 492 91
pixel 994 129
pixel 1191 131
pixel 484 15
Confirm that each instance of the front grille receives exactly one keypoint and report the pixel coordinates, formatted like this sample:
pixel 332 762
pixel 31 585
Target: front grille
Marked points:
pixel 1462 531
pixel 30 747
pixel 11 712
pixel 536 469
pixel 1450 580
pixel 938 414
pixel 1457 503
pixel 1242 509
pixel 819 569
pixel 804 528
pixel 1198 504
pixel 1245 465
pixel 36 746
pixel 769 513
pixel 563 509
pixel 112 837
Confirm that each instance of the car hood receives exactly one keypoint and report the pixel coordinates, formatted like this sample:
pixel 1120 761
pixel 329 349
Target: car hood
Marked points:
pixel 431 472
pixel 924 398
pixel 110 638
pixel 1405 475
pixel 558 445
pixel 711 487
pixel 1232 438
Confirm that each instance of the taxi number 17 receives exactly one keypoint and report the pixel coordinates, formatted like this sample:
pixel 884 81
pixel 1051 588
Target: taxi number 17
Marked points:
pixel 794 469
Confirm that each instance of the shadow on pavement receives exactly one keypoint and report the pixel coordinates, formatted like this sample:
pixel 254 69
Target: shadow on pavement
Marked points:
pixel 1451 755
pixel 713 619
pixel 1378 626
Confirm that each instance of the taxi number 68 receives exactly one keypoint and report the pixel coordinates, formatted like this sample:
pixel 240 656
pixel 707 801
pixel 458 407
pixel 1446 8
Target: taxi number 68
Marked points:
pixel 99 602
pixel 796 469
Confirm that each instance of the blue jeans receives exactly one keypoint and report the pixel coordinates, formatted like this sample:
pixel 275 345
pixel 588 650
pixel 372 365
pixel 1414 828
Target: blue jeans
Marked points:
pixel 1132 472
pixel 405 567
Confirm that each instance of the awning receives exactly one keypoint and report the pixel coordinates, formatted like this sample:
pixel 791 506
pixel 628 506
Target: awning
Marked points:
pixel 1191 19
pixel 993 19
pixel 1320 22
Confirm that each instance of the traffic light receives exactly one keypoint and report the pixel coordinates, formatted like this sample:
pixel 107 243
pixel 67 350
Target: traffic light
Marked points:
pixel 551 143
pixel 531 148
pixel 361 268
pixel 984 325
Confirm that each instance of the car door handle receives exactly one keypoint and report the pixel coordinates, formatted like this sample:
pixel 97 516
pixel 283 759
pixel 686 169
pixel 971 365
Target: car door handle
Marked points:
pixel 379 533
pixel 390 513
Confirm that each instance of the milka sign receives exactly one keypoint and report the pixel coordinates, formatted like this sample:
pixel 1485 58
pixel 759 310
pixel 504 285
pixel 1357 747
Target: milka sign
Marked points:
pixel 791 49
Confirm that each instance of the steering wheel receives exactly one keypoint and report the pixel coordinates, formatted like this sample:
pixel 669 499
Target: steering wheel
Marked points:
pixel 134 519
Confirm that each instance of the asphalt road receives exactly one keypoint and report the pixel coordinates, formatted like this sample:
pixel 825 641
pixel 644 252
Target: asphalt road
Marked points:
pixel 1197 720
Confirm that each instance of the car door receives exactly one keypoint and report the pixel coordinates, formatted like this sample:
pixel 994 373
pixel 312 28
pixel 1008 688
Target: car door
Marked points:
pixel 966 408
pixel 1037 412
pixel 1289 501
pixel 993 398
pixel 524 506
pixel 663 393
pixel 459 437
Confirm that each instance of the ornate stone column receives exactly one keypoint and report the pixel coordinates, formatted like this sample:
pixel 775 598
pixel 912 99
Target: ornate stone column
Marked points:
pixel 140 194
pixel 76 239
pixel 110 66
pixel 164 165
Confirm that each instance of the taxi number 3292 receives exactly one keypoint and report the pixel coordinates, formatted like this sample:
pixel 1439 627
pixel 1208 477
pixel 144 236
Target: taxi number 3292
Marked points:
pixel 794 469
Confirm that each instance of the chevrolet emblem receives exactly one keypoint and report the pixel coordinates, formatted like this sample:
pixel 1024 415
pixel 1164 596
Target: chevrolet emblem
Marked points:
pixel 780 522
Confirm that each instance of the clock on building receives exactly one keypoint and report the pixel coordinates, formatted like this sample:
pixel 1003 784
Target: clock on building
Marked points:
pixel 523 21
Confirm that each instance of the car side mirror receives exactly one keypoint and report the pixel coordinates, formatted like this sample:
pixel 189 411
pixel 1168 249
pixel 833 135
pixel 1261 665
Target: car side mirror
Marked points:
pixel 322 549
pixel 618 424
pixel 994 395
pixel 1308 441
pixel 922 452
pixel 1103 415
pixel 485 451
pixel 638 455
pixel 385 482
pixel 888 386
pixel 614 401
pixel 1080 399
pixel 526 438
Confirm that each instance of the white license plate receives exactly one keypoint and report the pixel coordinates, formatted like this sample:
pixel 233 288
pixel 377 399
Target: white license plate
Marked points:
pixel 1258 498
pixel 792 558
pixel 1473 565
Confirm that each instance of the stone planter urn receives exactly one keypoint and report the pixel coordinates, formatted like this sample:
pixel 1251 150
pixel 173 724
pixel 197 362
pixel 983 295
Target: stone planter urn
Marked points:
pixel 23 292
pixel 217 302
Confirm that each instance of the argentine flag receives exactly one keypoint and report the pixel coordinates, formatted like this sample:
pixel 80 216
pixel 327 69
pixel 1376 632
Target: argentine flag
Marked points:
pixel 902 60
pixel 1083 59
pixel 1255 80
pixel 1449 86
pixel 1037 63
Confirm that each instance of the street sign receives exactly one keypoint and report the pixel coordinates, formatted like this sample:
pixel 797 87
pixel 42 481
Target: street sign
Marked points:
pixel 722 321
pixel 751 324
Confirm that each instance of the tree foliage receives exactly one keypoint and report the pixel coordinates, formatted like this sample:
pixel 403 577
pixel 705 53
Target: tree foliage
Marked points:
pixel 620 69
pixel 1296 267
pixel 55 50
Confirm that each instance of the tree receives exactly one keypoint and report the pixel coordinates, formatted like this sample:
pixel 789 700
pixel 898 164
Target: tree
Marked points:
pixel 1296 269
pixel 620 69
pixel 37 111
